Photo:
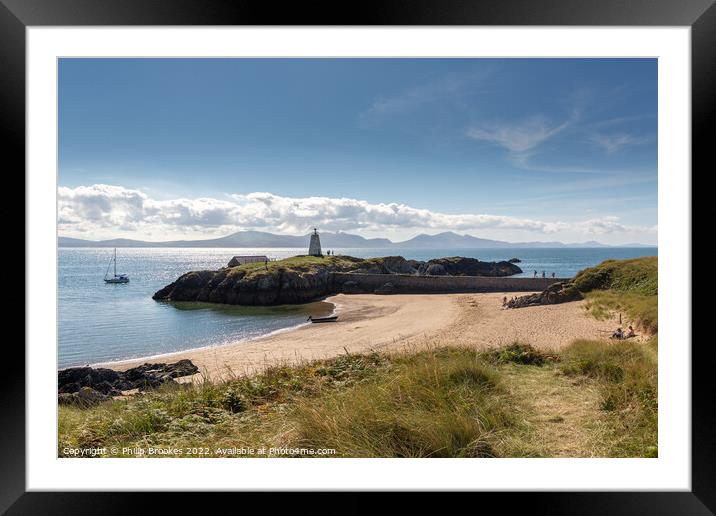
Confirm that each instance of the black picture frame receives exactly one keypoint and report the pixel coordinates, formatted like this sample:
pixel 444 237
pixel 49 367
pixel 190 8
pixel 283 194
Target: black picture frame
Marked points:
pixel 700 15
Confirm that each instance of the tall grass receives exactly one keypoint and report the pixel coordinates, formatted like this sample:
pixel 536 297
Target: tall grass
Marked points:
pixel 434 404
pixel 629 286
pixel 636 276
pixel 520 353
pixel 442 402
pixel 627 375
pixel 216 412
pixel 641 310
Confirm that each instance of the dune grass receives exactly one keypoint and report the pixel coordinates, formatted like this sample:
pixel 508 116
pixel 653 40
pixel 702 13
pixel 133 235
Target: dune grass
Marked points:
pixel 627 376
pixel 636 276
pixel 641 311
pixel 626 371
pixel 441 402
pixel 446 403
pixel 244 411
pixel 438 403
pixel 624 286
pixel 520 353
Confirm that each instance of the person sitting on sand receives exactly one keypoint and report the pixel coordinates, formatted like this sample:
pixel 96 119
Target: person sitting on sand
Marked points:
pixel 504 301
pixel 630 332
pixel 618 334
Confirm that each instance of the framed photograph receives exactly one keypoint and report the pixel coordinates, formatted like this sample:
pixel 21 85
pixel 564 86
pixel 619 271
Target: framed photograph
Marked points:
pixel 422 247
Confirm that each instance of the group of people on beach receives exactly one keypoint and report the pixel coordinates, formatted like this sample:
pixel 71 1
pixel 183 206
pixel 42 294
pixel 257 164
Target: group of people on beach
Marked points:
pixel 618 334
pixel 621 334
pixel 543 274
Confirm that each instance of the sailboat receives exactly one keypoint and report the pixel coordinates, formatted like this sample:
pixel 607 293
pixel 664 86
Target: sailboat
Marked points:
pixel 117 278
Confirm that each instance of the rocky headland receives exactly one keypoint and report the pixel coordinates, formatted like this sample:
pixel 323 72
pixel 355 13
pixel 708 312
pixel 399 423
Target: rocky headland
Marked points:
pixel 302 279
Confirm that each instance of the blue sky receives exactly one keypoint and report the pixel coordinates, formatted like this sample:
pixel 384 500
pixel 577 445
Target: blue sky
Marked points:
pixel 516 149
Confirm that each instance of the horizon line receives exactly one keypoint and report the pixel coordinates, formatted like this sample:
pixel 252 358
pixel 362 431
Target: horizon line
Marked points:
pixel 339 232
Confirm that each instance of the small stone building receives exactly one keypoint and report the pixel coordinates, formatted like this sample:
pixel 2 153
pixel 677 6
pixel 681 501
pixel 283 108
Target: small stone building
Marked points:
pixel 314 248
pixel 240 260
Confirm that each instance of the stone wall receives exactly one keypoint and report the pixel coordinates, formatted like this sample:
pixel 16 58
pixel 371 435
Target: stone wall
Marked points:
pixel 409 284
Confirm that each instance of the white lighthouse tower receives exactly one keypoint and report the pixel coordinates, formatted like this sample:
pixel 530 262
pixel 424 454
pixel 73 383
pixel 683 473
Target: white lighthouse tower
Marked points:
pixel 314 248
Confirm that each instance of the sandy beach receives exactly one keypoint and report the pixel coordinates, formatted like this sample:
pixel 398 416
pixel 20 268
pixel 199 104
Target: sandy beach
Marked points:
pixel 372 322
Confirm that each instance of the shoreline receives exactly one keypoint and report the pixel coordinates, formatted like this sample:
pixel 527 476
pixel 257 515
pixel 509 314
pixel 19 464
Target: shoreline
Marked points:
pixel 144 358
pixel 369 322
pixel 191 350
pixel 366 321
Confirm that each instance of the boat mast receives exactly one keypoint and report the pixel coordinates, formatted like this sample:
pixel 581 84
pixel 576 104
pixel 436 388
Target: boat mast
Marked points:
pixel 115 262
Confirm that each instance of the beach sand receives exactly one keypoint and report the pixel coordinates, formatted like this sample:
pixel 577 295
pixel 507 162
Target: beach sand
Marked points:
pixel 372 322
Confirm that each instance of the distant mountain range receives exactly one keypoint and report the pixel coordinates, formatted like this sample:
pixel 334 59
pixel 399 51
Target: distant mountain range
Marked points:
pixel 446 240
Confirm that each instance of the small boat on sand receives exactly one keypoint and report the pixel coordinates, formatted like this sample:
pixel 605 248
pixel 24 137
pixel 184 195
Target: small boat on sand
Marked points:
pixel 332 318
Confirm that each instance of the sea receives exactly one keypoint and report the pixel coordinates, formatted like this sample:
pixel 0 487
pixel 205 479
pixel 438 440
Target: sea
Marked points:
pixel 101 322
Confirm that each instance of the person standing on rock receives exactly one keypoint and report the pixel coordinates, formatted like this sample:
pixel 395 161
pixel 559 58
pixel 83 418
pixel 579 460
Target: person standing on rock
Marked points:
pixel 543 274
pixel 553 275
pixel 535 274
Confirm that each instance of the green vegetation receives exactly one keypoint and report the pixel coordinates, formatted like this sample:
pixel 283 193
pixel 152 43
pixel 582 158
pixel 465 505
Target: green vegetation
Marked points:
pixel 594 398
pixel 627 376
pixel 641 310
pixel 445 402
pixel 243 411
pixel 298 264
pixel 635 276
pixel 626 373
pixel 629 286
pixel 519 353
pixel 441 403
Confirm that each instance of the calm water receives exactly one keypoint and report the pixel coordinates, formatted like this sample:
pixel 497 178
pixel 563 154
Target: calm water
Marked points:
pixel 100 322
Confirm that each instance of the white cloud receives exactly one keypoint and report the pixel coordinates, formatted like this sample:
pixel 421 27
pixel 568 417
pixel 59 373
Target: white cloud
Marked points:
pixel 414 97
pixel 616 142
pixel 521 136
pixel 104 206
pixel 446 88
pixel 610 224
pixel 107 210
pixel 297 214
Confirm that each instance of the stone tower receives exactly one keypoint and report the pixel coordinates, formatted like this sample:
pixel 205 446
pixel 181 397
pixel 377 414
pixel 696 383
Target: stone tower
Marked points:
pixel 314 248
